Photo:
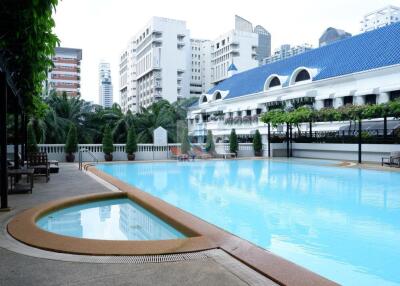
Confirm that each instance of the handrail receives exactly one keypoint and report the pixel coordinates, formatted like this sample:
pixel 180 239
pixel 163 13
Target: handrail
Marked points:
pixel 81 150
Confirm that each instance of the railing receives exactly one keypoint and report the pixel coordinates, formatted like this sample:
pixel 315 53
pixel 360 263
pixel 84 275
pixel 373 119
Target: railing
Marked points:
pixel 80 157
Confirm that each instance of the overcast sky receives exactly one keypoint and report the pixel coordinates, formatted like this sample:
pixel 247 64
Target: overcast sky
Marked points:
pixel 102 28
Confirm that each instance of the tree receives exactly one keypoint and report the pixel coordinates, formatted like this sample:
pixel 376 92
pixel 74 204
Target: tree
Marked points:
pixel 71 146
pixel 274 117
pixel 257 143
pixel 210 147
pixel 233 142
pixel 131 143
pixel 108 147
pixel 185 147
pixel 32 145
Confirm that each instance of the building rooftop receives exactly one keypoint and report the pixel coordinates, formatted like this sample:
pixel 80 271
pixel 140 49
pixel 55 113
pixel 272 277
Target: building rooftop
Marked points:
pixel 367 51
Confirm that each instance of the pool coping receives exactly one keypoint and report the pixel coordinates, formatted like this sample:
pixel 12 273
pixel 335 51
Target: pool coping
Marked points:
pixel 201 236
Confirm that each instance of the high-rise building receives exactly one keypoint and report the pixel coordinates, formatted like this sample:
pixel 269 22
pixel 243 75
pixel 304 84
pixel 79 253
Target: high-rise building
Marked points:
pixel 200 80
pixel 286 51
pixel 105 85
pixel 127 78
pixel 236 47
pixel 332 35
pixel 264 43
pixel 162 61
pixel 380 18
pixel 242 24
pixel 66 73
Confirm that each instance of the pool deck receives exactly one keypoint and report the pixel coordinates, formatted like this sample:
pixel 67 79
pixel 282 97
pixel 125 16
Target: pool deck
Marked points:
pixel 23 265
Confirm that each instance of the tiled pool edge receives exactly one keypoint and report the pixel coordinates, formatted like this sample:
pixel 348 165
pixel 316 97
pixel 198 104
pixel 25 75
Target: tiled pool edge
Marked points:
pixel 272 266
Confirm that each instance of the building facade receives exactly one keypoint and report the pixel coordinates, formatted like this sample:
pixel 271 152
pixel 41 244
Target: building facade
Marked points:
pixel 105 85
pixel 380 18
pixel 127 78
pixel 238 47
pixel 332 35
pixel 287 51
pixel 264 43
pixel 66 73
pixel 352 71
pixel 200 79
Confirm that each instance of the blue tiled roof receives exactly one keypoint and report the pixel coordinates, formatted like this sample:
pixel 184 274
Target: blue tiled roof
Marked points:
pixel 370 50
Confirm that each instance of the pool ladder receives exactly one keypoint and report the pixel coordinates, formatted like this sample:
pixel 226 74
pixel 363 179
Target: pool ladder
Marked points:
pixel 84 150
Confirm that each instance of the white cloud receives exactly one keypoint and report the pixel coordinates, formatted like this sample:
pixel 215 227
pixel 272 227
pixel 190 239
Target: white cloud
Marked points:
pixel 102 28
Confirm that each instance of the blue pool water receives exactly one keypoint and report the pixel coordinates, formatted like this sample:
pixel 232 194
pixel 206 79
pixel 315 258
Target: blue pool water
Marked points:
pixel 114 219
pixel 341 223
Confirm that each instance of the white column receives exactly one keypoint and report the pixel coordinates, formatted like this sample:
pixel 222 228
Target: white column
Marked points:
pixel 253 112
pixel 383 97
pixel 319 104
pixel 360 100
pixel 338 102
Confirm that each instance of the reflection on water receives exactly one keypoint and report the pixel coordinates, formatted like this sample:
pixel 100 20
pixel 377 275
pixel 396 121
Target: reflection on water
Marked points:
pixel 342 223
pixel 118 219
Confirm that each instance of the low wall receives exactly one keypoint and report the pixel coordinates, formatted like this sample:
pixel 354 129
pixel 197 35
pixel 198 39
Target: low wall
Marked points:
pixel 370 152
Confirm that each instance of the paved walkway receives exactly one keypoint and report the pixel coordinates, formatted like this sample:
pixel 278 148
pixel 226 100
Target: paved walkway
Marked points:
pixel 20 269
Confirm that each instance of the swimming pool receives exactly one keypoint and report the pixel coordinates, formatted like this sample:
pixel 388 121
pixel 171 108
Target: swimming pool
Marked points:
pixel 111 219
pixel 341 223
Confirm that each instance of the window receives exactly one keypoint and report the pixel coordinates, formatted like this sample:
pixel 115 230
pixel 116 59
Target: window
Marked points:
pixel 258 111
pixel 328 103
pixel 347 100
pixel 395 95
pixel 248 112
pixel 218 96
pixel 370 99
pixel 204 99
pixel 302 76
pixel 274 82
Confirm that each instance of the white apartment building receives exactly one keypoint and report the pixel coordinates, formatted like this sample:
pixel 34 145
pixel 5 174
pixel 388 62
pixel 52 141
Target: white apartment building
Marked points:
pixel 238 47
pixel 65 75
pixel 380 18
pixel 162 61
pixel 287 51
pixel 105 85
pixel 127 78
pixel 200 79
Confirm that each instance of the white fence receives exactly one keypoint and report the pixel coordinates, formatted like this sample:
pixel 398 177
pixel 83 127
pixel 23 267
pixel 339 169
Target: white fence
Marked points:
pixel 370 152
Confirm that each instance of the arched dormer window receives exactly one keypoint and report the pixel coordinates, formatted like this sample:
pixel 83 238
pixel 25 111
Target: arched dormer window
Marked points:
pixel 204 100
pixel 218 95
pixel 274 82
pixel 302 76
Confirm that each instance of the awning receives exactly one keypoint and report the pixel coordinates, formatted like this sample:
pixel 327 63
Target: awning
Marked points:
pixel 390 88
pixel 367 91
pixel 325 96
pixel 214 109
pixel 198 111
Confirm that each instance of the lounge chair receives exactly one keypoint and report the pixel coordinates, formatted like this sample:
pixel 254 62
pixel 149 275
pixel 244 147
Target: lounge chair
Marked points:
pixel 200 153
pixel 40 164
pixel 225 155
pixel 393 159
pixel 177 154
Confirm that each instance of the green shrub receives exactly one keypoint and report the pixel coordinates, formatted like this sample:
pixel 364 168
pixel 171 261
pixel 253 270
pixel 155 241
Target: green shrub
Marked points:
pixel 185 147
pixel 131 142
pixel 108 147
pixel 233 142
pixel 257 142
pixel 32 144
pixel 71 146
pixel 210 147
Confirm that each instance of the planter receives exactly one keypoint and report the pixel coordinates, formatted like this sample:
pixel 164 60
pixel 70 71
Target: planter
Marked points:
pixel 70 157
pixel 258 153
pixel 131 157
pixel 108 157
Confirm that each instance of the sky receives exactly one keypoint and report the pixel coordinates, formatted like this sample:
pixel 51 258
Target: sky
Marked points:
pixel 102 28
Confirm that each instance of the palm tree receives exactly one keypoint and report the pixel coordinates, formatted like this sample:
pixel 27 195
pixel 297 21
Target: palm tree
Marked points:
pixel 161 113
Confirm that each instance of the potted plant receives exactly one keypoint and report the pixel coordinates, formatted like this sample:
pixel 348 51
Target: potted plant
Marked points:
pixel 32 145
pixel 108 146
pixel 131 144
pixel 233 142
pixel 71 146
pixel 257 144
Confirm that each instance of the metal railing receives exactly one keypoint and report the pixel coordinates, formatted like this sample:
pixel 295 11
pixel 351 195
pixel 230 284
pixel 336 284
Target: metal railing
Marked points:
pixel 80 156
